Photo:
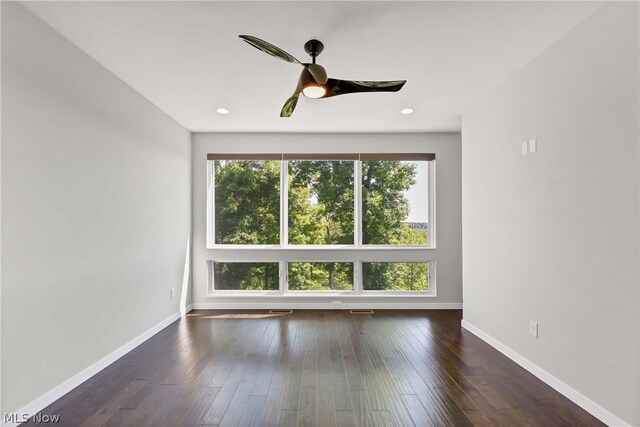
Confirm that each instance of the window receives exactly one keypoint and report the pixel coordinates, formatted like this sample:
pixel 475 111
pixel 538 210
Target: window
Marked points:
pixel 283 204
pixel 242 276
pixel 321 202
pixel 247 202
pixel 320 276
pixel 395 206
pixel 395 276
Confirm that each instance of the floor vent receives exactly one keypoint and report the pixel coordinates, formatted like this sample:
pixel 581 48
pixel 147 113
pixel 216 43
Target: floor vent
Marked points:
pixel 280 311
pixel 361 311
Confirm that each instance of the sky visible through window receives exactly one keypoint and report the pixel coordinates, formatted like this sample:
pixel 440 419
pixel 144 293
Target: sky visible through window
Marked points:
pixel 418 194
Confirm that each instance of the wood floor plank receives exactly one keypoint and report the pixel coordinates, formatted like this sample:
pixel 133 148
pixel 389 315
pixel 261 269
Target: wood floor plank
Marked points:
pixel 361 410
pixel 324 391
pixel 292 389
pixel 415 408
pixel 345 419
pixel 239 401
pixel 289 419
pixel 382 419
pixel 112 406
pixel 477 418
pixel 252 410
pixel 307 415
pixel 270 415
pixel 221 402
pixel 196 413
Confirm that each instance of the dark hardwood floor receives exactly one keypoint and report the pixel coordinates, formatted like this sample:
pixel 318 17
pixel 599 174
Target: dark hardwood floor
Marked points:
pixel 316 368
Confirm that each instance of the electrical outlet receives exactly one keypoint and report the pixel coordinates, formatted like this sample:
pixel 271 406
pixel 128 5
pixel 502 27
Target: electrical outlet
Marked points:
pixel 171 293
pixel 533 145
pixel 525 148
pixel 533 329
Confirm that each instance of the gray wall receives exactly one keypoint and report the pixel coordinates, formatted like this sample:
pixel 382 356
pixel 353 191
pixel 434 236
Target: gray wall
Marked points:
pixel 553 236
pixel 448 253
pixel 95 210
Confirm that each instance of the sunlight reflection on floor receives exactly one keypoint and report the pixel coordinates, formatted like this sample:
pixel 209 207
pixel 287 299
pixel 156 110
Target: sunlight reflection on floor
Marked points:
pixel 240 315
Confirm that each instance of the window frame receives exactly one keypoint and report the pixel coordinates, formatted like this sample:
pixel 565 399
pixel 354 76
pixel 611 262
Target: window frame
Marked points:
pixel 211 290
pixel 283 253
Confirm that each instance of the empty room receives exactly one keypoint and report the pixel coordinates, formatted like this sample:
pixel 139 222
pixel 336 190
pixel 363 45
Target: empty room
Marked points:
pixel 320 213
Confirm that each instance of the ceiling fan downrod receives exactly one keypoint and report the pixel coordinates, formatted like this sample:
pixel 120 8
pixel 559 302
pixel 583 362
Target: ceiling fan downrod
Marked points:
pixel 314 48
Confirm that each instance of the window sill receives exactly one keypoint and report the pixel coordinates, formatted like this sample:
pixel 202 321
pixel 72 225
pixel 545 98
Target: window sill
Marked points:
pixel 321 248
pixel 320 294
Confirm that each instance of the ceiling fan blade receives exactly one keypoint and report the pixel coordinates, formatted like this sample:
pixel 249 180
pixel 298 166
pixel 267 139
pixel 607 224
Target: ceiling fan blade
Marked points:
pixel 342 87
pixel 270 49
pixel 290 105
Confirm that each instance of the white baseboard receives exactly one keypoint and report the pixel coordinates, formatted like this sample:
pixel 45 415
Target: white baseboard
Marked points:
pixel 325 306
pixel 561 387
pixel 60 390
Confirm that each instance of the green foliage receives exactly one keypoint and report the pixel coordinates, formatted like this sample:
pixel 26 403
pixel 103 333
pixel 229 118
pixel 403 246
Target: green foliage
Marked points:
pixel 247 275
pixel 320 276
pixel 395 276
pixel 247 202
pixel 385 207
pixel 321 212
pixel 321 202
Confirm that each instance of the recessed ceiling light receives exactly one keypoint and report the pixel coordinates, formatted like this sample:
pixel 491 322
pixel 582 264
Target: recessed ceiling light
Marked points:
pixel 406 111
pixel 222 111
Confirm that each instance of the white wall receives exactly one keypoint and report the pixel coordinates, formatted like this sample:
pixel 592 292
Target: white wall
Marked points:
pixel 553 236
pixel 448 215
pixel 95 210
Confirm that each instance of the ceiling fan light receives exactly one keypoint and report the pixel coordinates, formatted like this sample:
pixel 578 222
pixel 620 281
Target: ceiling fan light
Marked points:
pixel 314 91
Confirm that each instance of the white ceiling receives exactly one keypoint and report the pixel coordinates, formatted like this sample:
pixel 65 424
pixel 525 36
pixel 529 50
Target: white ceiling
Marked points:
pixel 187 59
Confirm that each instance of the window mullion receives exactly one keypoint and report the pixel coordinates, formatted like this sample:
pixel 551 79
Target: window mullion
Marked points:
pixel 211 176
pixel 357 200
pixel 284 203
pixel 285 275
pixel 431 188
pixel 357 193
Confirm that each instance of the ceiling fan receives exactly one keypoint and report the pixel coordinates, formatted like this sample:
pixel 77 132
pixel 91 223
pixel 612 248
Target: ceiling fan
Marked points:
pixel 313 82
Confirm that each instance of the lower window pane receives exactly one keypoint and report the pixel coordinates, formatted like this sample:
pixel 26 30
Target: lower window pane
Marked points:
pixel 320 276
pixel 395 276
pixel 241 276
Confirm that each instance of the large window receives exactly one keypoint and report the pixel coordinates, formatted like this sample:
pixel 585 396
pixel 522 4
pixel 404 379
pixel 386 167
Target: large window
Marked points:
pixel 279 204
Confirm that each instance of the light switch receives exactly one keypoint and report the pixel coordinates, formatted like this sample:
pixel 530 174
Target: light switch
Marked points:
pixel 525 149
pixel 533 329
pixel 533 145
